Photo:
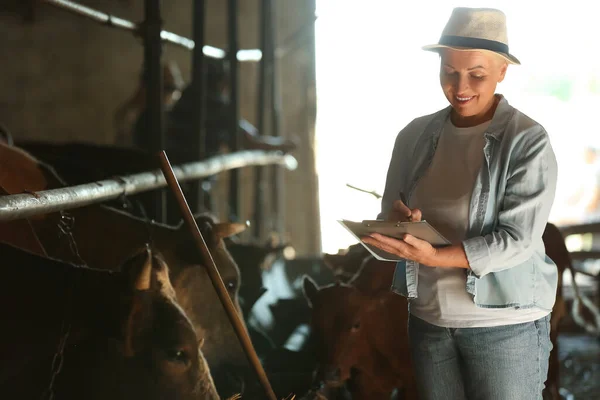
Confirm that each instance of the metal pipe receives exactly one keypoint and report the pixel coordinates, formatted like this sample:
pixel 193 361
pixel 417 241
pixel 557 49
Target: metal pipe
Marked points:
pixel 234 178
pixel 27 205
pixel 593 227
pixel 251 55
pixel 259 182
pixel 584 255
pixel 155 128
pixel 277 191
pixel 198 85
pixel 95 15
pixel 215 277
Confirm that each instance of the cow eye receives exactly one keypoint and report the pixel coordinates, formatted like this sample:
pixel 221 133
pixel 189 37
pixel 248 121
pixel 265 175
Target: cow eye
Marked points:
pixel 356 326
pixel 231 284
pixel 178 355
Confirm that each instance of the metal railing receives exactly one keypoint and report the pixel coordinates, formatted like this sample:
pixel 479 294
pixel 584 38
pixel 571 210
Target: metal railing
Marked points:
pixel 17 206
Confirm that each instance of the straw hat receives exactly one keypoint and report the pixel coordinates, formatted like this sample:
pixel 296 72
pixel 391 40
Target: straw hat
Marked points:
pixel 476 29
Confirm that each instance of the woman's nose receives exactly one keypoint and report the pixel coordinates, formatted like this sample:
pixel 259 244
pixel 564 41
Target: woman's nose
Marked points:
pixel 461 84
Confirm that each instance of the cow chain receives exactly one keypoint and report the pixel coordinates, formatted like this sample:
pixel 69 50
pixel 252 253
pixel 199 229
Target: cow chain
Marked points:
pixel 127 203
pixel 65 330
pixel 65 228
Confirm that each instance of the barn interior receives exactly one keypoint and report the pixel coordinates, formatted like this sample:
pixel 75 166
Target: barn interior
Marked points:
pixel 278 119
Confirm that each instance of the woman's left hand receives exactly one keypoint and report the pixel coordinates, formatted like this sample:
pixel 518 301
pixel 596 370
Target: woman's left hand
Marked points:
pixel 410 248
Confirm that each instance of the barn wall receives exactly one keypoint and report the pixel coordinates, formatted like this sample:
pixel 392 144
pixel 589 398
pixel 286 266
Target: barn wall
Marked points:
pixel 63 77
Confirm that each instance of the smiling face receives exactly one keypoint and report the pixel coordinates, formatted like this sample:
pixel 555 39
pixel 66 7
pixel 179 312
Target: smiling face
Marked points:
pixel 469 80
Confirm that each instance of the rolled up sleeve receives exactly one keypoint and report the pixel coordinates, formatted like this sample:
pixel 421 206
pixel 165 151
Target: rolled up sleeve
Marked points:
pixel 528 198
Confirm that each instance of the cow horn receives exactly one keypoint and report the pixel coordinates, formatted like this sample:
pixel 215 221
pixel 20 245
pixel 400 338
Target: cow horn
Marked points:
pixel 145 275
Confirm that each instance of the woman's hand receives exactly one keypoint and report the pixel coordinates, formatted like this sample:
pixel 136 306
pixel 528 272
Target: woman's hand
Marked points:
pixel 409 248
pixel 418 250
pixel 412 248
pixel 400 212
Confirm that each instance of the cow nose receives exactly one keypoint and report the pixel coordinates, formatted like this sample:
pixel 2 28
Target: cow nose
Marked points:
pixel 332 374
pixel 229 380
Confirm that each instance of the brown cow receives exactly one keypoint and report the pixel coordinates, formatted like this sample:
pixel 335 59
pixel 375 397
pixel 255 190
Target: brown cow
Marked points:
pixel 103 237
pixel 117 335
pixel 362 339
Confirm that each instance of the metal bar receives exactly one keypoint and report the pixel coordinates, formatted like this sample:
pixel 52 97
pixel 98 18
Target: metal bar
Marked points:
pixel 250 55
pixel 98 16
pixel 155 140
pixel 234 178
pixel 585 255
pixel 215 277
pixel 593 227
pixel 26 205
pixel 198 139
pixel 277 190
pixel 259 182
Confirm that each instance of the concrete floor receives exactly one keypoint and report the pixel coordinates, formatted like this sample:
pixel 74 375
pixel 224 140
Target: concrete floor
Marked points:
pixel 580 366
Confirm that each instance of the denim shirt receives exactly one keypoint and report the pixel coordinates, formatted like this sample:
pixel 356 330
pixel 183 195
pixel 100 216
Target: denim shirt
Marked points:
pixel 509 208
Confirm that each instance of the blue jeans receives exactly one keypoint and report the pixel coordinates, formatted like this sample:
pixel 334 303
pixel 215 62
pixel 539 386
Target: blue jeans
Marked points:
pixel 500 363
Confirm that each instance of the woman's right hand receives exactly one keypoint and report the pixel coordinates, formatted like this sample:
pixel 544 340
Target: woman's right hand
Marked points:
pixel 400 212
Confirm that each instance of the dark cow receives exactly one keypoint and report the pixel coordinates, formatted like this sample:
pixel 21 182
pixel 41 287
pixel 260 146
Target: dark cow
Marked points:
pixel 252 259
pixel 101 237
pixel 115 335
pixel 582 307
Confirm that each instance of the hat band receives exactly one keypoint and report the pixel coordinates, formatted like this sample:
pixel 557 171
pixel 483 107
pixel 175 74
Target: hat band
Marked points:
pixel 474 43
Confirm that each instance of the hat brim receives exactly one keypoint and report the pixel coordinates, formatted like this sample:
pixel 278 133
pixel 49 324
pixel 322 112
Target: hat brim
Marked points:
pixel 508 57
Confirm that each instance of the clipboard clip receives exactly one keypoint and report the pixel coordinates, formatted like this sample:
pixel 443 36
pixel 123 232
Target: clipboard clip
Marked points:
pixel 369 223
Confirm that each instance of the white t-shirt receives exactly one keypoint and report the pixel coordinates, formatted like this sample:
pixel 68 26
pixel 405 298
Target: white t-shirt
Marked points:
pixel 443 194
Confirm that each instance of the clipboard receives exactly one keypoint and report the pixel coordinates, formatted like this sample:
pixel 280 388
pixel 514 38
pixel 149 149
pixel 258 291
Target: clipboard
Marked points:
pixel 420 229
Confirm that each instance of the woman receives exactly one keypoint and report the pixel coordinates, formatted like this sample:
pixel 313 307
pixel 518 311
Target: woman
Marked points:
pixel 484 174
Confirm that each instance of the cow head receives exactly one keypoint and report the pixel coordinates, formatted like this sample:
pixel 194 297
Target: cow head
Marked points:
pixel 129 337
pixel 340 321
pixel 160 344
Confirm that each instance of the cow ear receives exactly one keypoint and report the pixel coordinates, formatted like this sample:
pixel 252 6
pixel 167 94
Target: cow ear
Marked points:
pixel 224 230
pixel 310 289
pixel 138 270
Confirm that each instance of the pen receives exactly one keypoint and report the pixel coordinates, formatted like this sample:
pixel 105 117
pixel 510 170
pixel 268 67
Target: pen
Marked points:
pixel 403 198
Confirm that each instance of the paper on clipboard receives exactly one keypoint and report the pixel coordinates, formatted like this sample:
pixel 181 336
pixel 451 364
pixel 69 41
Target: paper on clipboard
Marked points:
pixel 420 229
